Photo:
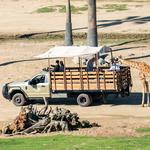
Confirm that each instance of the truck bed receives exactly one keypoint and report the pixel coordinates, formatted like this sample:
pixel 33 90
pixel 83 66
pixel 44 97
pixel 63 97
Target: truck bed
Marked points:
pixel 101 79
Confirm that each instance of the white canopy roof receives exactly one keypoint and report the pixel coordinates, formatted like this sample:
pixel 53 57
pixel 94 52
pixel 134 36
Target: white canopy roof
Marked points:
pixel 71 51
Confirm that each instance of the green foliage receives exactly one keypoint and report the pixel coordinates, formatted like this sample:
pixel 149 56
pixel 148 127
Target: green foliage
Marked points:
pixel 46 9
pixel 114 7
pixel 80 38
pixel 143 130
pixel 74 9
pixel 62 9
pixel 61 142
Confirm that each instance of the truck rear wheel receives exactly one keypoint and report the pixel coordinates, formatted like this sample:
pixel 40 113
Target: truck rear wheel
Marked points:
pixel 84 100
pixel 18 99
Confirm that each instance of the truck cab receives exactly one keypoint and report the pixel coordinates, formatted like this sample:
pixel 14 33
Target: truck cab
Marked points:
pixel 36 87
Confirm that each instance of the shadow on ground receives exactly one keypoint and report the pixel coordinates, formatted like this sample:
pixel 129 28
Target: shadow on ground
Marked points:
pixel 133 99
pixel 133 19
pixel 18 61
pixel 114 49
pixel 130 41
pixel 100 24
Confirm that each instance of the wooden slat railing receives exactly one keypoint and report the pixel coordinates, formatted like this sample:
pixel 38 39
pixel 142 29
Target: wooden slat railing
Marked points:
pixel 75 80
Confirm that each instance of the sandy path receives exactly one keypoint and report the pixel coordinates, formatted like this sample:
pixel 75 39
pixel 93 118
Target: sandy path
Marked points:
pixel 18 17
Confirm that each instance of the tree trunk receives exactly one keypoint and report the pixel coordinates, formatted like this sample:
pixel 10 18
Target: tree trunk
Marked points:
pixel 68 32
pixel 92 26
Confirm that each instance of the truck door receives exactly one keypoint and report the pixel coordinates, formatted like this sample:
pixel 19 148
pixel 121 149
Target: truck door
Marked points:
pixel 38 87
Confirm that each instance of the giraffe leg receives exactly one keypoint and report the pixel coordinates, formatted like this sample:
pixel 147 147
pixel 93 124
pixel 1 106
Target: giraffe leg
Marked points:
pixel 147 90
pixel 143 95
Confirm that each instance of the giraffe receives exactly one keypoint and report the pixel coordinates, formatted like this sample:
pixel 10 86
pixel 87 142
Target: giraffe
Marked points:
pixel 144 74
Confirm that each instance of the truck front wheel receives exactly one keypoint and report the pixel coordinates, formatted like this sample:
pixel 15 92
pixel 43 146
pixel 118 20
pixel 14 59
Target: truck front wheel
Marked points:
pixel 18 99
pixel 84 100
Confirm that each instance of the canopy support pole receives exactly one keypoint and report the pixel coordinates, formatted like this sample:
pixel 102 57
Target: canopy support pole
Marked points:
pixel 65 82
pixel 50 81
pixel 81 77
pixel 97 71
pixel 111 55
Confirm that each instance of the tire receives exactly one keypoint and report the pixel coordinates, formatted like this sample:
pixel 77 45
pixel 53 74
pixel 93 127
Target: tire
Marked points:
pixel 84 100
pixel 18 99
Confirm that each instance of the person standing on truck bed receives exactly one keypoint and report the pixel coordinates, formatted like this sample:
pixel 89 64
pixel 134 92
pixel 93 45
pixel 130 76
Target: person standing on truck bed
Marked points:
pixel 90 64
pixel 115 65
pixel 61 69
pixel 56 67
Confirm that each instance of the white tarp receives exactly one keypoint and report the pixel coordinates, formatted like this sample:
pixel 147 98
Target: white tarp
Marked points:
pixel 71 51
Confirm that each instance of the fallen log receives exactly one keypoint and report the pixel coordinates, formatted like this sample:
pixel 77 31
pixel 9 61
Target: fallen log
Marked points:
pixel 46 120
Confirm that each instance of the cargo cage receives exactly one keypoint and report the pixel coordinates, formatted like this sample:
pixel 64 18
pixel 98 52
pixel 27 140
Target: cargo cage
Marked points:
pixel 101 79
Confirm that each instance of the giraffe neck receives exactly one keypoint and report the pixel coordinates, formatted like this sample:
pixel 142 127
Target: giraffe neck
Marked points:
pixel 133 64
pixel 143 68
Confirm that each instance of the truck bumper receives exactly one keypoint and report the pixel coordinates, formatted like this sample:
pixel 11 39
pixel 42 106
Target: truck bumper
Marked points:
pixel 5 92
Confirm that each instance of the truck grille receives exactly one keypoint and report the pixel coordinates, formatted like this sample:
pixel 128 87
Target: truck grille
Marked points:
pixel 5 91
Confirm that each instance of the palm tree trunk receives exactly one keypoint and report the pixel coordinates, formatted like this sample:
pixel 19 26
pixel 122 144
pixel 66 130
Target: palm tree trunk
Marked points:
pixel 92 26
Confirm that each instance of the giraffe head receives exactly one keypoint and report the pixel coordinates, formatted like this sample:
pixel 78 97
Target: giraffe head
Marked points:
pixel 120 59
pixel 126 62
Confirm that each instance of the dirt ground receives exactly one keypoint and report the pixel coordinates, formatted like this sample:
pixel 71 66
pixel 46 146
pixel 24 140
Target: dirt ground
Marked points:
pixel 119 117
pixel 18 16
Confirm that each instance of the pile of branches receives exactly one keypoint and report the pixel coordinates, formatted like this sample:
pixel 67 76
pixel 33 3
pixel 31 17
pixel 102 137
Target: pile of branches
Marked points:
pixel 46 120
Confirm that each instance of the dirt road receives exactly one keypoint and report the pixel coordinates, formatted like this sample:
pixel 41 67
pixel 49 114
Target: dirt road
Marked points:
pixel 118 117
